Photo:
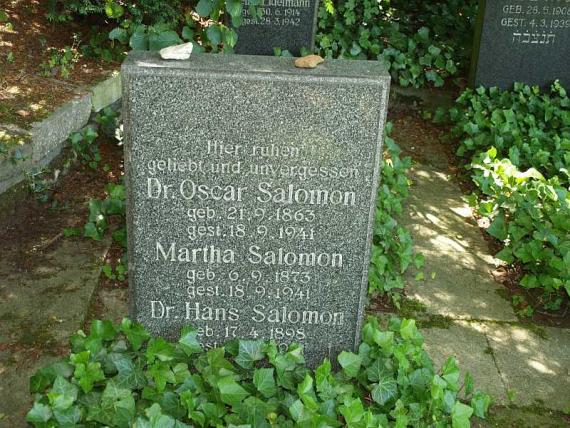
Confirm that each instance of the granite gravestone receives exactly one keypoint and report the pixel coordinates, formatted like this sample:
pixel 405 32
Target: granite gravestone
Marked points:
pixel 285 24
pixel 522 41
pixel 251 190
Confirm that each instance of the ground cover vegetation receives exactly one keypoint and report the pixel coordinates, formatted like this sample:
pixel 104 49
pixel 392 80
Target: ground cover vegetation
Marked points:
pixel 516 144
pixel 423 43
pixel 117 375
pixel 392 248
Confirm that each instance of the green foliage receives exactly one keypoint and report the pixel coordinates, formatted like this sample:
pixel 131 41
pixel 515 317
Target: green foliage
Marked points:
pixel 5 20
pixel 100 212
pixel 392 250
pixel 155 24
pixel 418 41
pixel 86 147
pixel 116 273
pixel 119 376
pixel 519 141
pixel 60 62
pixel 531 214
pixel 108 121
pixel 99 45
pixel 528 126
pixel 137 12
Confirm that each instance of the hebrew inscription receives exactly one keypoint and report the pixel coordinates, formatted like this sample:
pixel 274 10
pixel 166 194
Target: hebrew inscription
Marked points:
pixel 523 41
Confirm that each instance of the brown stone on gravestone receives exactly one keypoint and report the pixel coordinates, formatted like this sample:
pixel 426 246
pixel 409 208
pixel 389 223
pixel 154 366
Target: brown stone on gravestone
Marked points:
pixel 524 41
pixel 286 24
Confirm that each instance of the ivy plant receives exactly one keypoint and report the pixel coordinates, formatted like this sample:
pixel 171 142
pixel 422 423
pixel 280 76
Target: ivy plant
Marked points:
pixel 120 376
pixel 392 249
pixel 418 48
pixel 517 145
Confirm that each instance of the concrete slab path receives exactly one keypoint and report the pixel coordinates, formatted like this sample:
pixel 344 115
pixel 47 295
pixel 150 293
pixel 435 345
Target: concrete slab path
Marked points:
pixel 517 364
pixel 45 293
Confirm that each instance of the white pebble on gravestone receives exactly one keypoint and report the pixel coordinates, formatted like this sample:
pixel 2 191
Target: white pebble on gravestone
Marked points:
pixel 180 52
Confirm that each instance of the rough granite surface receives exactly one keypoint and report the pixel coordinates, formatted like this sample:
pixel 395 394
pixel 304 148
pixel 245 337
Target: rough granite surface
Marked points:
pixel 265 229
pixel 522 41
pixel 50 135
pixel 288 24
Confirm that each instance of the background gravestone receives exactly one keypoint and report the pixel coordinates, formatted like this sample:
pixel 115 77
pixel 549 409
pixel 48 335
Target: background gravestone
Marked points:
pixel 286 24
pixel 522 41
pixel 251 190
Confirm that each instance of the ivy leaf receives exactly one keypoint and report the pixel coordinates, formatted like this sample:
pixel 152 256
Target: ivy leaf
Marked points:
pixel 114 10
pixel 161 373
pixel 506 254
pixel 350 363
pixel 298 412
pixel 204 7
pixel 181 372
pixel 214 34
pixel 129 375
pixel 352 410
pixel 86 372
pixel 119 404
pixel 424 33
pixel 136 333
pixel 385 339
pixel 480 404
pixel 45 376
pixel 420 380
pixel 230 37
pixel 163 40
pixel 103 330
pixel 250 351
pixel 384 390
pixel 450 372
pixel 234 8
pixel 498 228
pixel 91 231
pixel 408 330
pixel 63 394
pixel 187 33
pixel 139 39
pixel 189 341
pixel 264 381
pixel 159 348
pixel 460 415
pixel 39 414
pixel 230 391
pixel 119 34
pixel 68 417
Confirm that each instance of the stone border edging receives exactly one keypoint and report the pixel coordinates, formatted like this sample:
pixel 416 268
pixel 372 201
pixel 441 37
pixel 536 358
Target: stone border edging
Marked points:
pixel 45 139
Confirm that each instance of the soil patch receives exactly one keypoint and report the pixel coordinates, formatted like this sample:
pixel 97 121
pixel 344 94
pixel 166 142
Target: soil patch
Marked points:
pixel 26 95
pixel 37 221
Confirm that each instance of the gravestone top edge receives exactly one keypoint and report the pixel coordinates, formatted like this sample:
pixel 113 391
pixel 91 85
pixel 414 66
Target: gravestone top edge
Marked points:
pixel 140 62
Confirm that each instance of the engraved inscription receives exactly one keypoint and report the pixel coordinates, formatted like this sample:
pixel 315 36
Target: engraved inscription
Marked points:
pixel 538 22
pixel 253 220
pixel 281 13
